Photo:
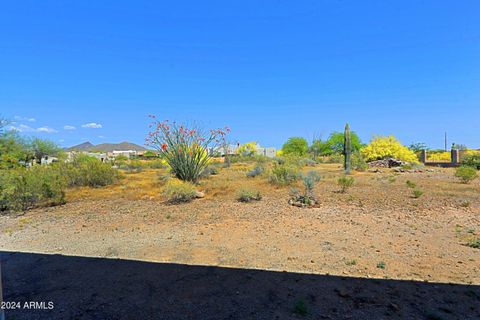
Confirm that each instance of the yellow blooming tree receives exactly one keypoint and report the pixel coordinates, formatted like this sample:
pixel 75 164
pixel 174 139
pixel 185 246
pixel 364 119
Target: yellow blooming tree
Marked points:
pixel 386 147
pixel 247 149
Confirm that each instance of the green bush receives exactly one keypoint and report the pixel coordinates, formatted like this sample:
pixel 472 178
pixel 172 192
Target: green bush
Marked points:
pixel 309 182
pixel 474 243
pixel 258 170
pixel 345 182
pixel 88 171
pixel 210 170
pixel 472 160
pixel 248 195
pixel 177 191
pixel 417 193
pixel 358 161
pixel 411 184
pixel 132 166
pixel 156 164
pixel 466 173
pixel 284 174
pixel 22 189
pixel 307 162
pixel 334 158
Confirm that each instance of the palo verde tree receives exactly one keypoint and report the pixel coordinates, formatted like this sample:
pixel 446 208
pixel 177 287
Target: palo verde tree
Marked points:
pixel 336 142
pixel 41 148
pixel 187 151
pixel 296 146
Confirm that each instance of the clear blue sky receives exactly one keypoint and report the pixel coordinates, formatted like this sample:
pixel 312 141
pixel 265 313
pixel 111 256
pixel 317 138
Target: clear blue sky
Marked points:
pixel 267 69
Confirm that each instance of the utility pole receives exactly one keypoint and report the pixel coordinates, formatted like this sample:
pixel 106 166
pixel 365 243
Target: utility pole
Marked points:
pixel 446 141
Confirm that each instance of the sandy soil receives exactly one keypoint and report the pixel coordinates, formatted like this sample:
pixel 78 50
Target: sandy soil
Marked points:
pixel 376 230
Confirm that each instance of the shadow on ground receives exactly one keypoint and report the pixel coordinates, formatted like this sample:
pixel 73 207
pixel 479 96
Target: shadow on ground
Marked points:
pixel 97 288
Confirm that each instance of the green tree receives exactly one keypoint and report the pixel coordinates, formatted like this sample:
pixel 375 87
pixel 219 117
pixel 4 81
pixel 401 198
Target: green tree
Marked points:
pixel 13 149
pixel 41 148
pixel 336 140
pixel 319 148
pixel 418 146
pixel 295 146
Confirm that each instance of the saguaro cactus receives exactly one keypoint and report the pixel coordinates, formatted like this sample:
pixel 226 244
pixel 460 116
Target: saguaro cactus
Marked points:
pixel 347 150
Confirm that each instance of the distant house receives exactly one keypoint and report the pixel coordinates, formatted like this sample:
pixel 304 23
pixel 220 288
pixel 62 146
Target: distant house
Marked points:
pixel 269 152
pixel 127 153
pixel 48 160
pixel 219 151
pixel 232 149
pixel 102 156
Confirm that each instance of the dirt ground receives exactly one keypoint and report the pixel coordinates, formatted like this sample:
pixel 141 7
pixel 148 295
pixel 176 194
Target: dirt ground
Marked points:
pixel 377 229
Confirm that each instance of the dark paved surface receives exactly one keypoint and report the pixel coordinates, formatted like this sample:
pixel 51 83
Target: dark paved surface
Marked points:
pixel 97 288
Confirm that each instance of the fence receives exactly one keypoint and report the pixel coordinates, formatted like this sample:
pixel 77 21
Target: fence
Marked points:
pixel 454 162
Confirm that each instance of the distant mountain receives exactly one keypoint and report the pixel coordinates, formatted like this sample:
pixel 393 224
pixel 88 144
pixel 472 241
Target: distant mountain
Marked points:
pixel 106 147
pixel 81 147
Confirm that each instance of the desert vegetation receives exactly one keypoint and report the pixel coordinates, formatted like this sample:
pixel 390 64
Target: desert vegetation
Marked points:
pixel 254 212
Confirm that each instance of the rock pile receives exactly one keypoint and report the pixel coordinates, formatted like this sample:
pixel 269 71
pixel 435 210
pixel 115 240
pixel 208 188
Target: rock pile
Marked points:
pixel 385 163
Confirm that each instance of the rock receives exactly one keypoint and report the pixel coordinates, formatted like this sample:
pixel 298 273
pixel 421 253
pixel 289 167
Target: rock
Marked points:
pixel 199 194
pixel 386 163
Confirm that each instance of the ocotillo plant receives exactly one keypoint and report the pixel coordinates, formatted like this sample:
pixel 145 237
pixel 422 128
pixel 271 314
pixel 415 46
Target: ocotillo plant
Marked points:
pixel 347 149
pixel 187 151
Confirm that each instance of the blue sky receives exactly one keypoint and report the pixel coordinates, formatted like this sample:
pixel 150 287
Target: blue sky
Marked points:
pixel 267 69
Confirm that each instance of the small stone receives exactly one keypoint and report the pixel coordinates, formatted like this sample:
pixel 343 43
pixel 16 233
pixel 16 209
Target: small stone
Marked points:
pixel 199 194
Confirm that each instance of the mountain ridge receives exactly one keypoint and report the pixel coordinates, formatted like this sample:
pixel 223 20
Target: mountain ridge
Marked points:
pixel 106 147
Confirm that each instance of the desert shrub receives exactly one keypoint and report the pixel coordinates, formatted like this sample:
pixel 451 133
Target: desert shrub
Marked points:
pixel 279 160
pixel 472 160
pixel 258 170
pixel 177 191
pixel 417 193
pixel 385 147
pixel 466 173
pixel 334 158
pixel 358 161
pixel 307 162
pixel 210 170
pixel 119 160
pixel 248 195
pixel 411 184
pixel 306 198
pixel 156 164
pixel 345 182
pixel 187 151
pixel 284 174
pixel 23 189
pixel 133 166
pixel 309 182
pixel 88 171
pixel 164 177
pixel 474 243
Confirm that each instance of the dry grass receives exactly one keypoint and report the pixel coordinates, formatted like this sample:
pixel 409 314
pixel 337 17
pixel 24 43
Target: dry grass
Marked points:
pixel 375 220
pixel 386 189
